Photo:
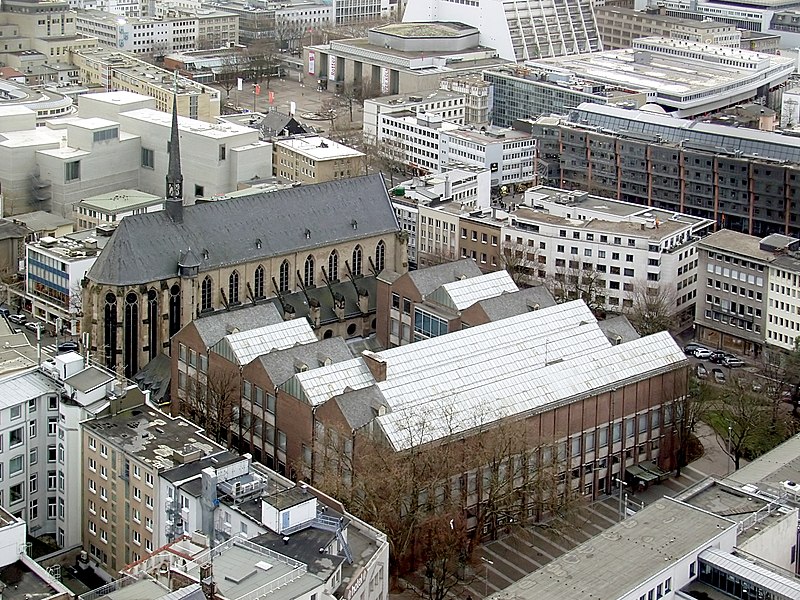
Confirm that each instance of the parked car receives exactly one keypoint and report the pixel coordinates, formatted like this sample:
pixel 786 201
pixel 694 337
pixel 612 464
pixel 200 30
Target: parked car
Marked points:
pixel 717 356
pixel 732 361
pixel 691 347
pixel 4 311
pixel 719 376
pixel 34 326
pixel 702 353
pixel 68 346
pixel 18 319
pixel 701 371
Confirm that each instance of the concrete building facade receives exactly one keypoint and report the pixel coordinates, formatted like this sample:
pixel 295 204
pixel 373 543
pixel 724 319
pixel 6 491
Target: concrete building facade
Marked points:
pixel 314 159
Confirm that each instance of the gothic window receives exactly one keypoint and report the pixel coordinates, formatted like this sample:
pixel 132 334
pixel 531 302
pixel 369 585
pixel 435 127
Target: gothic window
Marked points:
pixel 333 266
pixel 357 261
pixel 259 282
pixel 380 256
pixel 152 324
pixel 110 330
pixel 283 277
pixel 233 288
pixel 174 309
pixel 131 341
pixel 205 294
pixel 308 273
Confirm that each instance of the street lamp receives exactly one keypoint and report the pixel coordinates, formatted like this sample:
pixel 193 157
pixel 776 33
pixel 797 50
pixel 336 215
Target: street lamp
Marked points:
pixel 622 485
pixel 730 456
pixel 486 563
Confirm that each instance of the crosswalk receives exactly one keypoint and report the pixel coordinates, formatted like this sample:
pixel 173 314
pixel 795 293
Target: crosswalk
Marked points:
pixel 49 349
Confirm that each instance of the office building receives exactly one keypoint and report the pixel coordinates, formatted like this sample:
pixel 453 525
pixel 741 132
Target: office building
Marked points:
pixel 477 94
pixel 519 32
pixel 400 58
pixel 111 208
pixel 314 159
pixel 509 153
pixel 742 179
pixel 180 31
pixel 119 71
pixel 620 26
pixel 534 353
pixel 684 78
pixel 43 29
pixel 54 270
pixel 450 106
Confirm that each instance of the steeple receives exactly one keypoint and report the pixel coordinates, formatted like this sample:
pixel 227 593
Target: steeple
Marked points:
pixel 174 176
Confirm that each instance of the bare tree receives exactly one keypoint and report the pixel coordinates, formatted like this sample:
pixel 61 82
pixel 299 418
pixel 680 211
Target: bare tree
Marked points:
pixel 229 73
pixel 743 421
pixel 577 281
pixel 263 61
pixel 213 403
pixel 687 414
pixel 445 547
pixel 781 370
pixel 520 261
pixel 651 308
pixel 386 156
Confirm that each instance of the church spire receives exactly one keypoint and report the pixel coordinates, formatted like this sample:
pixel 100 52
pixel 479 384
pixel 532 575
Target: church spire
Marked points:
pixel 174 200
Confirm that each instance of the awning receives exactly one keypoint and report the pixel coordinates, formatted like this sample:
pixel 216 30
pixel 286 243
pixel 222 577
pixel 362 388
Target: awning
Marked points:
pixel 641 474
pixel 655 470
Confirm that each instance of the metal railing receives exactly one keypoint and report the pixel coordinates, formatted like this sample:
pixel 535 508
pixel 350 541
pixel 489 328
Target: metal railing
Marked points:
pixel 274 584
pixel 108 588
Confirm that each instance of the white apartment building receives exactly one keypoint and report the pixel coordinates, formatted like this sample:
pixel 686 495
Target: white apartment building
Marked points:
pixel 446 104
pixel 29 404
pixel 125 8
pixel 408 217
pixel 413 139
pixel 628 246
pixel 783 311
pixel 118 142
pixel 40 417
pixel 54 269
pixel 507 153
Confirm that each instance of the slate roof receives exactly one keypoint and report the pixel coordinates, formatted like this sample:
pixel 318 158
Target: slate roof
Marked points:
pixel 9 229
pixel 275 122
pixel 360 407
pixel 509 305
pixel 147 247
pixel 280 365
pixel 618 326
pixel 322 294
pixel 428 279
pixel 212 328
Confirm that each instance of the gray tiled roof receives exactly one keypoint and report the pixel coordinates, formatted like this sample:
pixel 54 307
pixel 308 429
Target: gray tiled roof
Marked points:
pixel 618 326
pixel 428 279
pixel 212 328
pixel 280 365
pixel 510 305
pixel 9 229
pixel 147 247
pixel 360 407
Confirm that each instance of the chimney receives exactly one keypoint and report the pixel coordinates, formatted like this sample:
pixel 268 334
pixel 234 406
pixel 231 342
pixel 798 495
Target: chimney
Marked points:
pixel 338 306
pixel 376 365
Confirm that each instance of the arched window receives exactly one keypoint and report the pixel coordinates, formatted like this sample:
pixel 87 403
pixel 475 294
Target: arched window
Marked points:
pixel 308 272
pixel 258 282
pixel 152 324
pixel 380 256
pixel 357 261
pixel 233 288
pixel 174 309
pixel 205 294
pixel 333 266
pixel 283 277
pixel 131 342
pixel 110 330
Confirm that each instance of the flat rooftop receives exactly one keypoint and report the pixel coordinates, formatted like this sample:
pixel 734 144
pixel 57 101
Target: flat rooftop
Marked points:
pixel 217 131
pixel 616 561
pixel 318 148
pixel 727 240
pixel 427 29
pixel 661 72
pixel 150 435
pixel 404 100
pixel 120 200
pixel 770 470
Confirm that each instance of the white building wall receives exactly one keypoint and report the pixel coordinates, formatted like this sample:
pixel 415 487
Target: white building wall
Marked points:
pixel 407 217
pixel 783 308
pixel 775 541
pixel 12 541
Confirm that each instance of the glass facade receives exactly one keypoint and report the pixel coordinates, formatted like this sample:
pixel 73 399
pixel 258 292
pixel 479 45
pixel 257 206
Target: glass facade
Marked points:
pixel 427 325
